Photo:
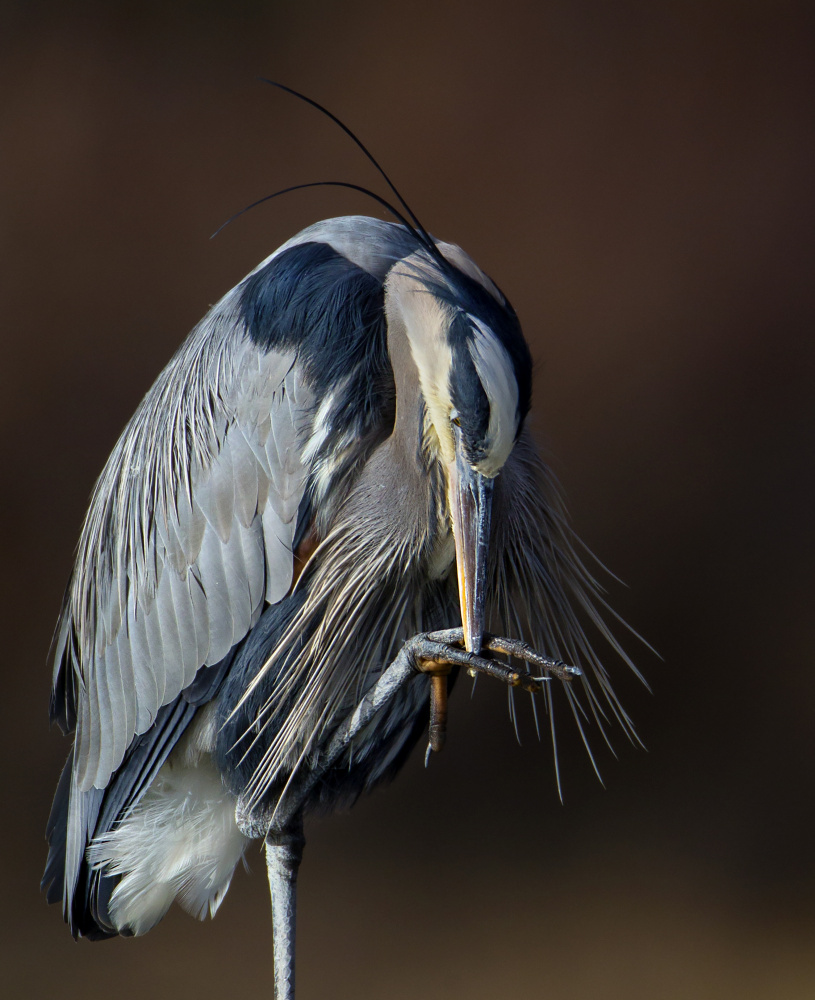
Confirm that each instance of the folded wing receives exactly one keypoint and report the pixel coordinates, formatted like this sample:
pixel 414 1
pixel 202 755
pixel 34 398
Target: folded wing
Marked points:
pixel 190 529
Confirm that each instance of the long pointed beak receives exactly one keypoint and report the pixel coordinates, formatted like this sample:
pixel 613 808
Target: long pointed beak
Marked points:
pixel 470 497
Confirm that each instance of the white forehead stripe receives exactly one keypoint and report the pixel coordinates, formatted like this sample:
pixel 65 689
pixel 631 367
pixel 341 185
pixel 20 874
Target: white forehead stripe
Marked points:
pixel 494 368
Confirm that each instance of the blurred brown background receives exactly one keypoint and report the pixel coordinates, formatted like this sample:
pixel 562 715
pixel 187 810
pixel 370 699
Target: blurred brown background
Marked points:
pixel 638 177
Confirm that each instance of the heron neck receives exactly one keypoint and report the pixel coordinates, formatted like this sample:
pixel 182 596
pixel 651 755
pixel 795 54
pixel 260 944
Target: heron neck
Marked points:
pixel 408 429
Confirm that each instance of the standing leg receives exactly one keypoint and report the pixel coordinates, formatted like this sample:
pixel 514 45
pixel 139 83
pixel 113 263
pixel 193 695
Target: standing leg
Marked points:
pixel 284 851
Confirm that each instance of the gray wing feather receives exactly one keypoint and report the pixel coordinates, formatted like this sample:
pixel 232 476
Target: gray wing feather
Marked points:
pixel 83 810
pixel 278 554
pixel 190 529
pixel 185 622
pixel 245 479
pixel 201 614
pixel 155 652
pixel 169 538
pixel 144 679
pixel 254 555
pixel 110 679
pixel 213 580
pixel 164 616
pixel 128 680
pixel 215 494
pixel 236 586
pixel 84 723
pixel 189 525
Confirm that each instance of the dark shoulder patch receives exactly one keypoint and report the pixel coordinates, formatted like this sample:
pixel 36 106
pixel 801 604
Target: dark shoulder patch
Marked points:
pixel 315 300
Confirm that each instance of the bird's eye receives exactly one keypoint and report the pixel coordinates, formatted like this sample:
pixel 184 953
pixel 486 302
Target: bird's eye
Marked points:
pixel 454 419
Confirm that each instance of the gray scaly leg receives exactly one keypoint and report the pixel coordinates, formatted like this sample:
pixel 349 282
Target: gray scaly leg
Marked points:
pixel 284 851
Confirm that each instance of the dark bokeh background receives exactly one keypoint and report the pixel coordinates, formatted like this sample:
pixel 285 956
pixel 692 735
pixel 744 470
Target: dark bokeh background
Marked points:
pixel 638 177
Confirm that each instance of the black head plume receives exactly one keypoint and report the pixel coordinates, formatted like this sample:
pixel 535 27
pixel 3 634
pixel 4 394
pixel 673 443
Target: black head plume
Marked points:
pixel 299 187
pixel 421 233
pixel 413 226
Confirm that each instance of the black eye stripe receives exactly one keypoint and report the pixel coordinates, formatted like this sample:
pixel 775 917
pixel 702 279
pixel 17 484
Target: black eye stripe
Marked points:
pixel 470 401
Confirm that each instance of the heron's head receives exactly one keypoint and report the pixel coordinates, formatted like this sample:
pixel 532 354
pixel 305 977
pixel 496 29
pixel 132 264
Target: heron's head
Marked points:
pixel 474 373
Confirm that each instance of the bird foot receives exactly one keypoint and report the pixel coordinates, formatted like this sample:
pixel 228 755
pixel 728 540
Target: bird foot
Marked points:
pixel 435 653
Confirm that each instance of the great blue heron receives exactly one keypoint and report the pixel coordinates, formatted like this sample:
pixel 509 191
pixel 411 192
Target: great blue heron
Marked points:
pixel 330 474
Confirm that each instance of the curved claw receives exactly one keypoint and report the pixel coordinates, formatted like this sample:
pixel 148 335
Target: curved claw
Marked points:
pixel 523 651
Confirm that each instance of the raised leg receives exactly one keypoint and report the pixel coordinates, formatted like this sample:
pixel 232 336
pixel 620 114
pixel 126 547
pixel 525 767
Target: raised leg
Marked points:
pixel 430 653
pixel 284 852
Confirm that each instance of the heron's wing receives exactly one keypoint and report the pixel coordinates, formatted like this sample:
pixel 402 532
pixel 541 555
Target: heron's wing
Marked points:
pixel 189 531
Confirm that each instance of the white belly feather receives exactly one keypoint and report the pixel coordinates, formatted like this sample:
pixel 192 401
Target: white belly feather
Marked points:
pixel 180 842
